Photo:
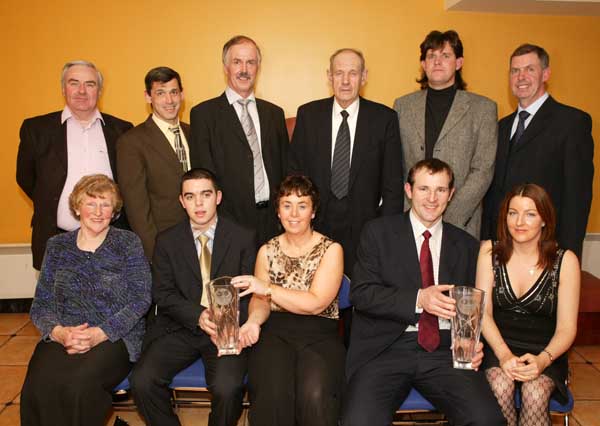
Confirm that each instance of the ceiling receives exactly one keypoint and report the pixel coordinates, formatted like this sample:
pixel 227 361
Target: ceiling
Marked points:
pixel 536 7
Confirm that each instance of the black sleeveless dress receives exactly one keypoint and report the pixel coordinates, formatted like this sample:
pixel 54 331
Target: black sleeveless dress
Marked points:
pixel 527 323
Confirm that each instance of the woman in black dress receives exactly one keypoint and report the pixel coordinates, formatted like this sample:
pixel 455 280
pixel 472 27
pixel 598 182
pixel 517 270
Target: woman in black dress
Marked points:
pixel 532 298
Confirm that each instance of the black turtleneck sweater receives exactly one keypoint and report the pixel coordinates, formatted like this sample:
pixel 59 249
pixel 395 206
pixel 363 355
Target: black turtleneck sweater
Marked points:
pixel 437 108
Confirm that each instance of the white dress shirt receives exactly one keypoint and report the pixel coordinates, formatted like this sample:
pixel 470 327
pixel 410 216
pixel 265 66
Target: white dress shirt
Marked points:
pixel 435 247
pixel 336 121
pixel 232 98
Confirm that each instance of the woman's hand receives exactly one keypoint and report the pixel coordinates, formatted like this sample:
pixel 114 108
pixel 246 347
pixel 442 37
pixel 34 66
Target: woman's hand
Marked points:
pixel 508 364
pixel 530 367
pixel 250 284
pixel 73 339
pixel 249 334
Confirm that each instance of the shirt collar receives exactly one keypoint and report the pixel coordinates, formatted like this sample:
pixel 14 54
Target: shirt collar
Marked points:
pixel 419 228
pixel 210 232
pixel 352 108
pixel 67 113
pixel 233 96
pixel 534 107
pixel 162 124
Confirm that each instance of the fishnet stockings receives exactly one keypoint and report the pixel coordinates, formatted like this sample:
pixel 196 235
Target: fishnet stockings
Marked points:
pixel 534 402
pixel 504 390
pixel 535 397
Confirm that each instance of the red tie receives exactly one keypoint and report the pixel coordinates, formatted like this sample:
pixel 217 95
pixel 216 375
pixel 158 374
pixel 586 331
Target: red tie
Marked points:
pixel 429 333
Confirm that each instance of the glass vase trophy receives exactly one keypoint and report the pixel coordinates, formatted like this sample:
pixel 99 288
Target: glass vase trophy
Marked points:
pixel 466 325
pixel 224 305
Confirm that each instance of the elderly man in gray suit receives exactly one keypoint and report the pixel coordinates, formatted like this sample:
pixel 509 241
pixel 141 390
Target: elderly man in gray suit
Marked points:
pixel 446 122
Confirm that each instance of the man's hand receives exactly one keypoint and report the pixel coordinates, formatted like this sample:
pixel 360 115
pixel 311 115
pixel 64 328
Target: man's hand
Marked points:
pixel 432 300
pixel 478 357
pixel 205 323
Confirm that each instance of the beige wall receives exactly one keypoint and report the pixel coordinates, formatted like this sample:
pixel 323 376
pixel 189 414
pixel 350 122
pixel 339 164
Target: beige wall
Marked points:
pixel 126 38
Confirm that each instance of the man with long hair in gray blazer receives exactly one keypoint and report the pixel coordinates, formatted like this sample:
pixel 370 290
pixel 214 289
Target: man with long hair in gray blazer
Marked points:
pixel 444 121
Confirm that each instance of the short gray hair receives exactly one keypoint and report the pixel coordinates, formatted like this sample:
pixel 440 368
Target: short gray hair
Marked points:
pixel 85 64
pixel 348 50
pixel 240 39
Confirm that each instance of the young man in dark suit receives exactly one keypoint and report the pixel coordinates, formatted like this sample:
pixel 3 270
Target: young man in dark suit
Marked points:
pixel 243 140
pixel 180 328
pixel 401 328
pixel 350 148
pixel 546 143
pixel 152 157
pixel 58 149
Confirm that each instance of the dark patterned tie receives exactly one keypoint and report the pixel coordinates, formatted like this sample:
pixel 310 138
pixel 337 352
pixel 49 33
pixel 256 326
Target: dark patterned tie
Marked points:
pixel 340 167
pixel 523 115
pixel 179 149
pixel 429 332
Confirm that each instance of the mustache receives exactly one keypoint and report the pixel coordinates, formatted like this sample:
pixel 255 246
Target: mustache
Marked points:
pixel 243 74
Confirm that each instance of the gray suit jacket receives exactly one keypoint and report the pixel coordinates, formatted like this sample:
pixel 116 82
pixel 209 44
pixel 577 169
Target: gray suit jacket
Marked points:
pixel 150 180
pixel 467 142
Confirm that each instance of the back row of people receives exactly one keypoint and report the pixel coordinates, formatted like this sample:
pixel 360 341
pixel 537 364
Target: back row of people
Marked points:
pixel 356 151
pixel 94 289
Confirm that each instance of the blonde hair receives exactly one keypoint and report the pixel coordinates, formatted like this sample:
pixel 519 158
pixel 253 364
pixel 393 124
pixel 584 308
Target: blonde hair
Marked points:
pixel 95 186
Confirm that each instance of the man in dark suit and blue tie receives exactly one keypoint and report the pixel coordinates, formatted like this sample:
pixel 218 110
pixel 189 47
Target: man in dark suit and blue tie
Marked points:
pixel 187 256
pixel 243 140
pixel 546 143
pixel 401 328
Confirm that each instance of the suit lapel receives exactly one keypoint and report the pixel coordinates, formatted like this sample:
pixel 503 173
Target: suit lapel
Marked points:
pixel 188 249
pixel 220 247
pixel 264 137
pixel 361 140
pixel 417 110
pixel 538 123
pixel 460 106
pixel 324 142
pixel 60 139
pixel 448 257
pixel 229 115
pixel 158 141
pixel 110 136
pixel 407 253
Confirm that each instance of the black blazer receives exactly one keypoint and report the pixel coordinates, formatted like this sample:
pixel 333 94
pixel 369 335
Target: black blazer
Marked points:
pixel 177 280
pixel 218 143
pixel 375 169
pixel 42 170
pixel 556 152
pixel 387 277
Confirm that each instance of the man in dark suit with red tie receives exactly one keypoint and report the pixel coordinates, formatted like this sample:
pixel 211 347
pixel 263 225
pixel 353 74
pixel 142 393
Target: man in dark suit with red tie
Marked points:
pixel 243 140
pixel 546 143
pixel 59 148
pixel 400 331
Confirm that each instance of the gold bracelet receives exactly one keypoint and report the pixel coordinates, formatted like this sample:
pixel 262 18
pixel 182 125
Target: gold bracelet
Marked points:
pixel 549 354
pixel 268 291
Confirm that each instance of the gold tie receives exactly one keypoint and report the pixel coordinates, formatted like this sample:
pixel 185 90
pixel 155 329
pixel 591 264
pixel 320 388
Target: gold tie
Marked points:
pixel 204 268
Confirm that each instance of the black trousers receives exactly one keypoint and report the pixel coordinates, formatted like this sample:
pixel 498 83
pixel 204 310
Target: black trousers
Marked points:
pixel 171 353
pixel 72 390
pixel 378 388
pixel 296 372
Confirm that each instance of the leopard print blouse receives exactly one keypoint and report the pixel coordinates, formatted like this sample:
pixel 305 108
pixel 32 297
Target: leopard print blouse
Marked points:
pixel 297 273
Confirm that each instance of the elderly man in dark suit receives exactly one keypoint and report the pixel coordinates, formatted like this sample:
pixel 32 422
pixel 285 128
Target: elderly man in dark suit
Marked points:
pixel 187 256
pixel 152 157
pixel 243 140
pixel 443 120
pixel 546 143
pixel 400 332
pixel 350 148
pixel 58 149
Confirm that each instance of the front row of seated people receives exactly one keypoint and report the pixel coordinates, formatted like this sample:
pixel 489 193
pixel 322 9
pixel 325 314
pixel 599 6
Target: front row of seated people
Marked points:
pixel 94 290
